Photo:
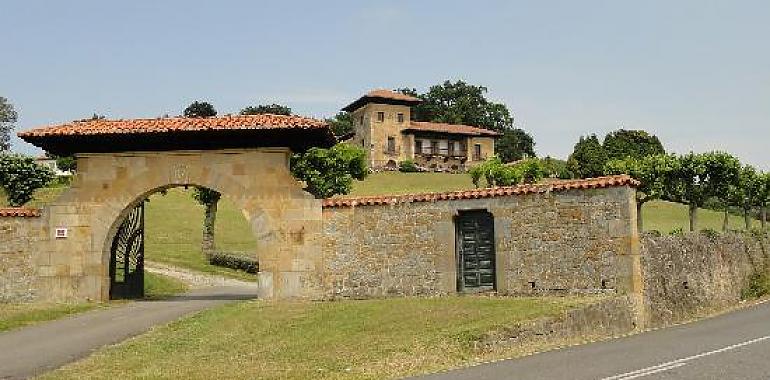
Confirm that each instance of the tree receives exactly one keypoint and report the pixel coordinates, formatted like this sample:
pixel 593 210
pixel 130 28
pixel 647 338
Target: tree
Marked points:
pixel 763 197
pixel 210 200
pixel 631 143
pixel 341 124
pixel 515 144
pixel 327 172
pixel 652 172
pixel 200 109
pixel 744 193
pixel 20 176
pixel 723 174
pixel 8 116
pixel 275 109
pixel 588 157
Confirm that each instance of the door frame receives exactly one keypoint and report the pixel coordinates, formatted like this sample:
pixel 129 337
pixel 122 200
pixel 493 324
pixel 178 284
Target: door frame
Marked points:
pixel 459 275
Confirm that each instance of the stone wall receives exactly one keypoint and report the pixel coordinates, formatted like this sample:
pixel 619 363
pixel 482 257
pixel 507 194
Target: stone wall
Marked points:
pixel 546 242
pixel 17 269
pixel 692 274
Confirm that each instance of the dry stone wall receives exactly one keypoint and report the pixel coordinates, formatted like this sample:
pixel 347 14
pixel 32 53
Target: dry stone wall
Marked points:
pixel 552 242
pixel 17 267
pixel 692 274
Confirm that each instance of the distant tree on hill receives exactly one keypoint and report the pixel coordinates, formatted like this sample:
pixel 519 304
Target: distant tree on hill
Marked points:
pixel 588 157
pixel 200 109
pixel 743 194
pixel 631 143
pixel 8 116
pixel 724 176
pixel 275 109
pixel 515 144
pixel 462 103
pixel 341 124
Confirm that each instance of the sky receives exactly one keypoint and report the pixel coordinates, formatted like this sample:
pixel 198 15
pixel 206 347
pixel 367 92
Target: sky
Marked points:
pixel 695 73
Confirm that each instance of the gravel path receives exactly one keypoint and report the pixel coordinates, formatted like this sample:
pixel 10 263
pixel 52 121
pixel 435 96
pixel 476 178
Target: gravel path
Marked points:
pixel 193 279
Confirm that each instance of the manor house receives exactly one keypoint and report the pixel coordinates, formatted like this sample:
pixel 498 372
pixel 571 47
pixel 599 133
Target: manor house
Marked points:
pixel 383 127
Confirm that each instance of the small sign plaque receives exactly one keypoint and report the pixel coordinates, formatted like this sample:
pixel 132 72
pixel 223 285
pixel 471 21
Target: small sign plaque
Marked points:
pixel 61 233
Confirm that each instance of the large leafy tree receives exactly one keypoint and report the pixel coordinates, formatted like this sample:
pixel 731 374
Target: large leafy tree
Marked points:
pixel 275 109
pixel 462 103
pixel 652 172
pixel 20 176
pixel 588 157
pixel 327 172
pixel 200 109
pixel 341 123
pixel 631 143
pixel 8 116
pixel 515 144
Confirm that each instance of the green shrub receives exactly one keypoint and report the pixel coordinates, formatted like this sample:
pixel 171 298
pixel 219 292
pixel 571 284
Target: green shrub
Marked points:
pixel 20 176
pixel 407 166
pixel 710 233
pixel 234 261
pixel 758 286
pixel 327 172
pixel 532 170
pixel 677 232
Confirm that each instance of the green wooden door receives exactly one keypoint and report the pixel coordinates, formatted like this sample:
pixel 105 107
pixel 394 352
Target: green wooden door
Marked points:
pixel 475 251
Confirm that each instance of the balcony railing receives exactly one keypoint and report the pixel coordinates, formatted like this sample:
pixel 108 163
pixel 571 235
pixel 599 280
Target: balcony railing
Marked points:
pixel 442 152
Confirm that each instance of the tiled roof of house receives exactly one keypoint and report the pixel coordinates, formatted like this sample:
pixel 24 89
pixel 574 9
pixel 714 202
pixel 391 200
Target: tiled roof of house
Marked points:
pixel 19 212
pixel 382 96
pixel 458 129
pixel 180 133
pixel 175 124
pixel 590 183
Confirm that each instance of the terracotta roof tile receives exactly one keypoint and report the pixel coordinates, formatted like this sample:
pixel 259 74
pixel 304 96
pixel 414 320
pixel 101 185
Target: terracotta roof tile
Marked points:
pixel 176 124
pixel 19 212
pixel 388 94
pixel 589 183
pixel 459 129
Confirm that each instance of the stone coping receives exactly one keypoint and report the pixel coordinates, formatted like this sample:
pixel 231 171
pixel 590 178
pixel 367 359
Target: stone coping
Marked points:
pixel 561 185
pixel 19 212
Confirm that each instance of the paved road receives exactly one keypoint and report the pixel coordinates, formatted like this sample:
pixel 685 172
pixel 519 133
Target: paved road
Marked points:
pixel 731 346
pixel 41 348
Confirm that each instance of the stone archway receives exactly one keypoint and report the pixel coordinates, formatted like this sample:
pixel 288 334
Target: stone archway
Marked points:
pixel 284 219
pixel 120 162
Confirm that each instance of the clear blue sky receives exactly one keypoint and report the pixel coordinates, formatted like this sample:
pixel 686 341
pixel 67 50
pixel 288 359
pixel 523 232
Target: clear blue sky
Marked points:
pixel 696 73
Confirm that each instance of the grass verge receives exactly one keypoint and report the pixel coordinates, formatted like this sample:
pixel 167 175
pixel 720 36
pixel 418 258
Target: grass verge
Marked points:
pixel 320 340
pixel 159 286
pixel 16 315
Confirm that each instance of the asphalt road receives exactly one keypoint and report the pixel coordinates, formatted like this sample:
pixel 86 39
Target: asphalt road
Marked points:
pixel 37 349
pixel 732 346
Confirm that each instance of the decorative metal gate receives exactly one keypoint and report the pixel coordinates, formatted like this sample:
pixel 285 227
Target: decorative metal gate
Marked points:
pixel 475 251
pixel 127 257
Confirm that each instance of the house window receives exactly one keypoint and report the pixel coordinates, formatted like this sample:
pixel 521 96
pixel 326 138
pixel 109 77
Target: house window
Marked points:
pixel 361 120
pixel 434 147
pixel 400 118
pixel 418 146
pixel 380 116
pixel 363 143
pixel 477 152
pixel 391 145
pixel 451 148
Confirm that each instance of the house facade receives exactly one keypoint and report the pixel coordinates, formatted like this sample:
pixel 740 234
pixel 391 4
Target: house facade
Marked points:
pixel 384 129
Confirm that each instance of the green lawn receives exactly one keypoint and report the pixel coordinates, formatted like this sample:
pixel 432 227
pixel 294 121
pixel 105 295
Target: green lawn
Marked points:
pixel 666 216
pixel 157 286
pixel 369 339
pixel 405 183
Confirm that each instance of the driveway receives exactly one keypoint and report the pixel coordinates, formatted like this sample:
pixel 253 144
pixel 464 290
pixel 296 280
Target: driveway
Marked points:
pixel 37 349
